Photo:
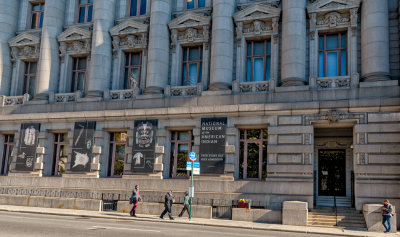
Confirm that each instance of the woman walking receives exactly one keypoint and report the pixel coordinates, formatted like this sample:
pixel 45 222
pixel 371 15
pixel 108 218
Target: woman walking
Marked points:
pixel 135 198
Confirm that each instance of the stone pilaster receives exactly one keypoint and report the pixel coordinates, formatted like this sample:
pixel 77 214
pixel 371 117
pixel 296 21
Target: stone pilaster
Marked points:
pixel 221 69
pixel 101 56
pixel 293 42
pixel 49 61
pixel 158 54
pixel 375 40
pixel 8 22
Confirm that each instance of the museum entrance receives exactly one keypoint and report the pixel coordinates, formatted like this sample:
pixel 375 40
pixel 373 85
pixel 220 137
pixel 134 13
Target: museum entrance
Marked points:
pixel 332 172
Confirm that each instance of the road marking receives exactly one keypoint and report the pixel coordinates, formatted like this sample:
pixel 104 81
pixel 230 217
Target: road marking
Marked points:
pixel 119 228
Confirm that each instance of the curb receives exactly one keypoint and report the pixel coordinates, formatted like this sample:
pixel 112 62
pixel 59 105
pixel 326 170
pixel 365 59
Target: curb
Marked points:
pixel 103 215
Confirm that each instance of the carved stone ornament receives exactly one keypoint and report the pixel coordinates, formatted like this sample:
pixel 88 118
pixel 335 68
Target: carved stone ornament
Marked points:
pixel 129 35
pixel 333 115
pixel 189 28
pixel 24 46
pixel 75 41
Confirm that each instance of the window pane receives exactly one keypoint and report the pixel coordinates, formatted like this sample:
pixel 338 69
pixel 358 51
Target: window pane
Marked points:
pixel 90 1
pixel 173 135
pixel 183 152
pixel 184 75
pixel 82 1
pixel 193 54
pixel 331 66
pixel 33 25
pixel 171 162
pixel 258 69
pixel 332 42
pixel 241 160
pixel 32 69
pixel 120 136
pixel 31 86
pixel 265 133
pixel 264 161
pixel 343 63
pixel 252 160
pixel 90 14
pixel 248 72
pixel 200 72
pixel 63 137
pixel 268 67
pixel 241 134
pixel 126 79
pixel 42 7
pixel 135 59
pixel 142 7
pixel 190 4
pixel 81 14
pixel 36 7
pixel 253 134
pixel 343 41
pixel 321 64
pixel 82 63
pixel 321 43
pixel 62 159
pixel 185 54
pixel 184 135
pixel 133 7
pixel 201 3
pixel 133 77
pixel 268 47
pixel 119 159
pixel 192 74
pixel 258 48
pixel 81 81
pixel 41 20
pixel 248 49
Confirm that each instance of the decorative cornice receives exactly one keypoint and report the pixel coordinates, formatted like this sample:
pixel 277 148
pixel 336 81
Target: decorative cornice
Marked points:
pixel 256 12
pixel 129 27
pixel 332 5
pixel 189 20
pixel 24 46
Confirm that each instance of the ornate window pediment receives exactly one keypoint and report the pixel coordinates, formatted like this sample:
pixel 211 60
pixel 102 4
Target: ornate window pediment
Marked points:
pixel 75 40
pixel 257 20
pixel 190 28
pixel 129 34
pixel 25 46
pixel 332 5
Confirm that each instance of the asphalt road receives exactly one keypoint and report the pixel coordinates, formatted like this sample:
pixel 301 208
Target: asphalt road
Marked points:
pixel 32 225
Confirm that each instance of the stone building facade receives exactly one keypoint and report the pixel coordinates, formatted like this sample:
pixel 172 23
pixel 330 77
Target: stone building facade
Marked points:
pixel 305 92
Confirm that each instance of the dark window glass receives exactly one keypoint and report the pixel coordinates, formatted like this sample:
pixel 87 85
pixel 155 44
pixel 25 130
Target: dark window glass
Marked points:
pixel 116 158
pixel 85 9
pixel 78 81
pixel 6 158
pixel 37 15
pixel 191 4
pixel 332 55
pixel 181 145
pixel 133 64
pixel 258 61
pixel 137 7
pixel 60 157
pixel 29 78
pixel 191 65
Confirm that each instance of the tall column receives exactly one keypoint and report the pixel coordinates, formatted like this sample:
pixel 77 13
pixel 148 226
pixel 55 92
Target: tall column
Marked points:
pixel 101 56
pixel 293 42
pixel 158 54
pixel 49 61
pixel 8 23
pixel 375 40
pixel 221 69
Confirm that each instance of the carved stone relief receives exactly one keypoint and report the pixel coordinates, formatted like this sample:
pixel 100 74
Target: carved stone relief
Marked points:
pixel 24 46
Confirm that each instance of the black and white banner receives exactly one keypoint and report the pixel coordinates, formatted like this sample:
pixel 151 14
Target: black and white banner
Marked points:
pixel 82 144
pixel 212 145
pixel 28 141
pixel 144 145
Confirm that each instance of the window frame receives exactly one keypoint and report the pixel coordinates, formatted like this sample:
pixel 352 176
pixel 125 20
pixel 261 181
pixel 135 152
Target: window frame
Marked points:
pixel 337 50
pixel 112 144
pixel 196 4
pixel 199 64
pixel 130 67
pixel 56 153
pixel 39 13
pixel 86 6
pixel 246 141
pixel 7 150
pixel 26 79
pixel 138 5
pixel 75 72
pixel 176 142
pixel 263 56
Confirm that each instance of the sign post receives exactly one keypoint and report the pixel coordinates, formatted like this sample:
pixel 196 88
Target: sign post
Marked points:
pixel 192 158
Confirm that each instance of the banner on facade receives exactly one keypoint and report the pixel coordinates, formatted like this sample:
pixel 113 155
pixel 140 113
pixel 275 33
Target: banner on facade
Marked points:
pixel 144 141
pixel 212 145
pixel 82 145
pixel 28 141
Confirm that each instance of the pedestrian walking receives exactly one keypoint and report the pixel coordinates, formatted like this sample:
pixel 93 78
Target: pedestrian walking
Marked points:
pixel 186 201
pixel 386 215
pixel 135 198
pixel 168 200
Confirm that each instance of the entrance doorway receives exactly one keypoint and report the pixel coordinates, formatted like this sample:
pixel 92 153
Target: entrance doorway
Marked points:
pixel 332 172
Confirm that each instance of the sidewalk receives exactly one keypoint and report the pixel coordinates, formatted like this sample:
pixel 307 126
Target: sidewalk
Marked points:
pixel 194 221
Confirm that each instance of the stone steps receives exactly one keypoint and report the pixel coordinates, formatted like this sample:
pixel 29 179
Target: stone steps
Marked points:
pixel 346 218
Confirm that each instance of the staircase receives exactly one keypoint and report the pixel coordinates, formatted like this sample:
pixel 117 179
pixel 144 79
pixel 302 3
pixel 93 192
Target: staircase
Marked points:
pixel 329 201
pixel 348 218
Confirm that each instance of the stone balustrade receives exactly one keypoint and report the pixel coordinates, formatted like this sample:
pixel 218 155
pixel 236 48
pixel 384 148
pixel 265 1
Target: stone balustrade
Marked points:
pixel 128 94
pixel 13 100
pixel 183 90
pixel 251 87
pixel 332 82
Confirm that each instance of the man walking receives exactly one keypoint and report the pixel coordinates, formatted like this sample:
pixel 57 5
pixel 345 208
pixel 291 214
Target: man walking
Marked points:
pixel 168 205
pixel 386 215
pixel 185 204
pixel 135 198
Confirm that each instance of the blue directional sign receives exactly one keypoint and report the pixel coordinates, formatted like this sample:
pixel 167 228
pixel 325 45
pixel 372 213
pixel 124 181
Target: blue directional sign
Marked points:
pixel 192 156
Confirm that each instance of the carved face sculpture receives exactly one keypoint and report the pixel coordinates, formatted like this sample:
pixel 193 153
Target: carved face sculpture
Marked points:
pixel 144 134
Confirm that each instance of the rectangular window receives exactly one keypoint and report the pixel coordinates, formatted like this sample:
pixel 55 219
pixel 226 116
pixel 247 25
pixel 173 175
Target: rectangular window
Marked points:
pixel 137 7
pixel 7 149
pixel 37 16
pixel 116 157
pixel 258 61
pixel 78 79
pixel 192 61
pixel 85 11
pixel 191 4
pixel 28 86
pixel 181 146
pixel 133 65
pixel 332 55
pixel 60 157
pixel 253 154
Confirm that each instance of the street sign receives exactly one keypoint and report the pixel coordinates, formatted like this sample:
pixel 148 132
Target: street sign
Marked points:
pixel 189 165
pixel 192 156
